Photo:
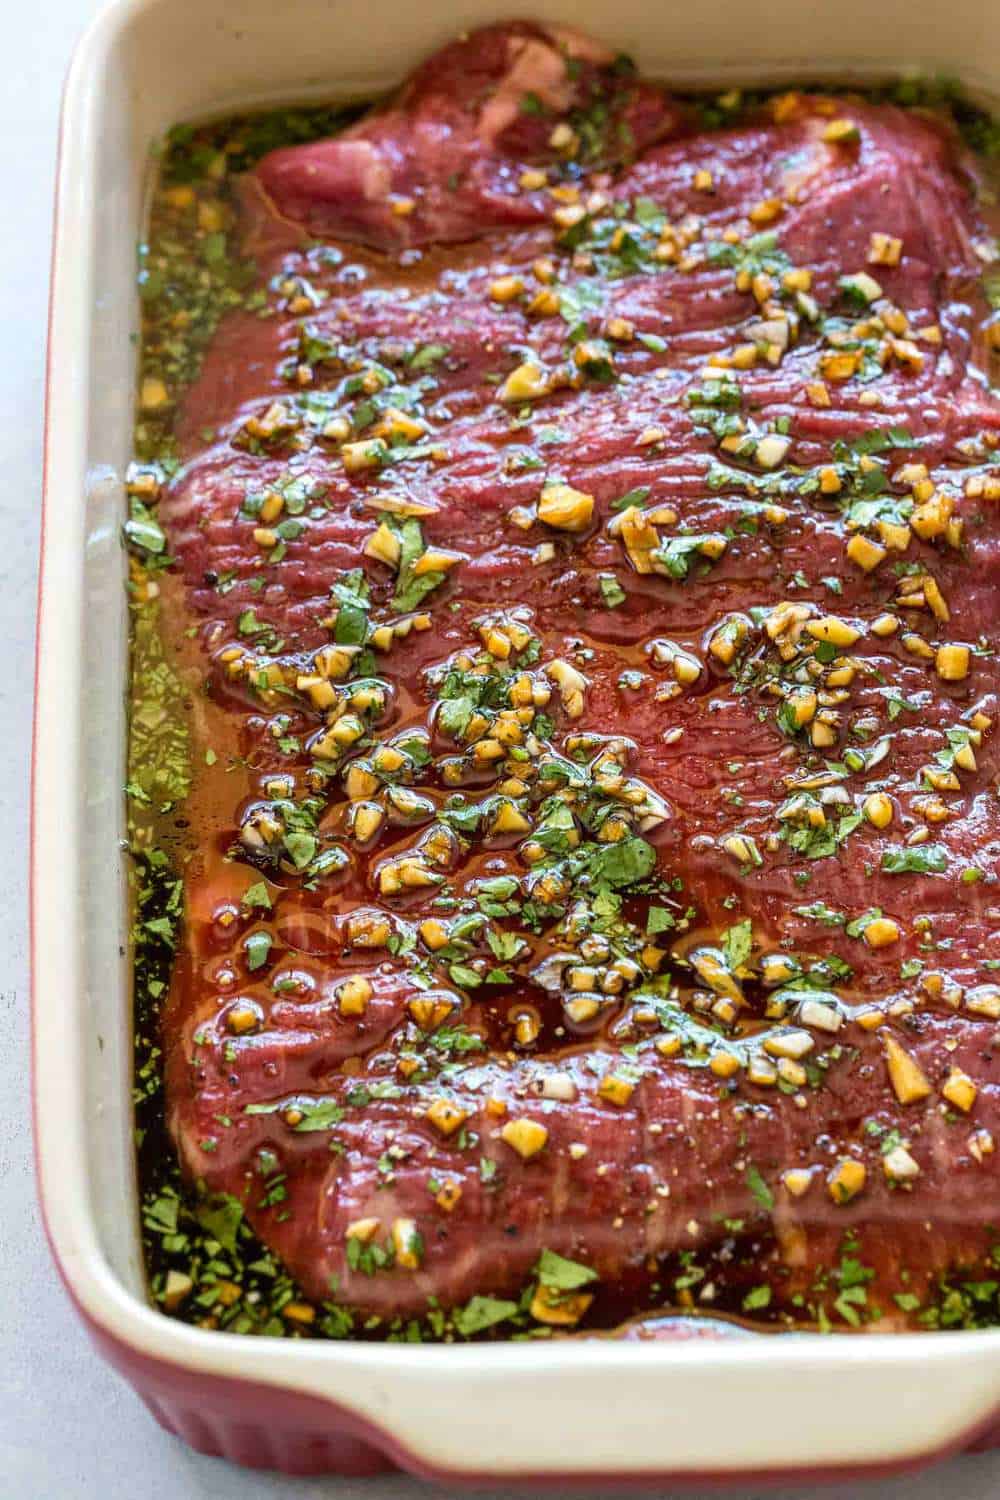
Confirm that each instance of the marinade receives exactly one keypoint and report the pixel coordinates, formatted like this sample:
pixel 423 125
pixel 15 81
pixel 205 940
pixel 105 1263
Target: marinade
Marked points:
pixel 564 551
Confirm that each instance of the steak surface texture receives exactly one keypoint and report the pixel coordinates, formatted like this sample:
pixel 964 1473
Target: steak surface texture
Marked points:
pixel 586 573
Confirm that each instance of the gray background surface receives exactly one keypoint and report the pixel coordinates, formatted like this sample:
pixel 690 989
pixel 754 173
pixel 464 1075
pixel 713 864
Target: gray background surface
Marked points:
pixel 68 1427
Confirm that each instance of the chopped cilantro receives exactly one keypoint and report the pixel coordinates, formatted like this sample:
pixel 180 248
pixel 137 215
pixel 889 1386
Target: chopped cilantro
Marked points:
pixel 738 944
pixel 918 859
pixel 480 1313
pixel 659 919
pixel 611 590
pixel 257 948
pixel 221 1217
pixel 558 1274
pixel 759 1188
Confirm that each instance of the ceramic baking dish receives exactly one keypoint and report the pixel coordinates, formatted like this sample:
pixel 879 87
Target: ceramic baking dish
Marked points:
pixel 595 1411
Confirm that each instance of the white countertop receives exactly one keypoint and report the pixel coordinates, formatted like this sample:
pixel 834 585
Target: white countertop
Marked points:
pixel 69 1428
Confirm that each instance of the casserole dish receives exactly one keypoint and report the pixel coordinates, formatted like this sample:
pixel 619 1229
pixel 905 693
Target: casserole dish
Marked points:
pixel 344 1407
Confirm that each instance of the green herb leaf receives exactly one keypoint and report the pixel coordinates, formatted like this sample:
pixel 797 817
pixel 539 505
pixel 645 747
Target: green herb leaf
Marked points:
pixel 920 859
pixel 317 1114
pixel 818 911
pixel 301 847
pixel 611 590
pixel 257 895
pixel 759 1188
pixel 454 714
pixel 738 944
pixel 428 355
pixel 480 1313
pixel 221 1217
pixel 410 590
pixel 625 863
pixel 677 553
pixel 466 978
pixel 461 815
pixel 257 947
pixel 658 919
pixel 351 597
pixel 558 1274
pixel 143 531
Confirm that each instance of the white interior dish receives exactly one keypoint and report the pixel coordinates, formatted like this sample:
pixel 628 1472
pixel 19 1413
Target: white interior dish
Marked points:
pixel 781 1405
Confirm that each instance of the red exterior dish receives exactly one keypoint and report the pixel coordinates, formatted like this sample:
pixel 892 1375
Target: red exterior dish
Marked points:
pixel 267 1427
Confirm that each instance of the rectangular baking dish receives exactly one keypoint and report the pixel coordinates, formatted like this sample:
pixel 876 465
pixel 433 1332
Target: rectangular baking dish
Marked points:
pixel 596 1411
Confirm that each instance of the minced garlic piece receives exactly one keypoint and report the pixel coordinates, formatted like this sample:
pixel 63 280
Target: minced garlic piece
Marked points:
pixel 881 932
pixel 959 1090
pixel 877 809
pixel 614 1089
pixel 446 1116
pixel 526 1137
pixel 864 552
pixel 565 508
pixel 905 1074
pixel 353 996
pixel 952 663
pixel 846 1180
pixel 526 383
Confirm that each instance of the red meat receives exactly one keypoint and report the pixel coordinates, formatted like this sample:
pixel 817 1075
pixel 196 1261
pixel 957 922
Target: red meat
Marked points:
pixel 685 1151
